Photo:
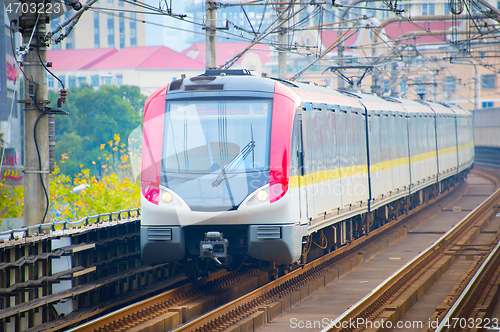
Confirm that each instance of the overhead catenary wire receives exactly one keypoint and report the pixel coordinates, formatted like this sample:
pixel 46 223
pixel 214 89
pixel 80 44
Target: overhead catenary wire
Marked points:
pixel 248 35
pixel 14 52
pixel 154 11
pixel 73 18
pixel 257 39
pixel 104 10
pixel 334 44
pixel 233 36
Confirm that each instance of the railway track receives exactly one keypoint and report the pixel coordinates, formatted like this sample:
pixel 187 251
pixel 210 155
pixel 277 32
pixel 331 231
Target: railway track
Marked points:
pixel 84 292
pixel 182 303
pixel 475 303
pixel 389 301
pixel 251 309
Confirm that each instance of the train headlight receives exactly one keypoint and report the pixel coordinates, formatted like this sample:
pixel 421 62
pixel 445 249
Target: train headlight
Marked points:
pixel 259 197
pixel 169 198
pixel 166 197
pixel 262 195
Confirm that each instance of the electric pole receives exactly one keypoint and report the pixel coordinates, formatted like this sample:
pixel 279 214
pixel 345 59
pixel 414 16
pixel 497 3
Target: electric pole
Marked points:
pixel 340 51
pixel 211 41
pixel 434 87
pixel 477 87
pixel 36 160
pixel 394 80
pixel 282 41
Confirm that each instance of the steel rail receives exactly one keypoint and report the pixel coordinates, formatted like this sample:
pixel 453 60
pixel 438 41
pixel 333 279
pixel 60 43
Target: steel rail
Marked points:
pixel 447 238
pixel 143 306
pixel 289 282
pixel 284 286
pixel 470 288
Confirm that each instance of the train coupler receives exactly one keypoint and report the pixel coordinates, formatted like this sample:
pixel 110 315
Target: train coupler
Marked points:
pixel 214 246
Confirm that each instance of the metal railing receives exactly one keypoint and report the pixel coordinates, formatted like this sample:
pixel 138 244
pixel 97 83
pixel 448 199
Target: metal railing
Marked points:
pixel 86 221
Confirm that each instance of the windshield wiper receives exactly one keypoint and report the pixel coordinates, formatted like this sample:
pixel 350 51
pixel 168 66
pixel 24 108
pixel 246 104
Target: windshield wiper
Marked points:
pixel 234 163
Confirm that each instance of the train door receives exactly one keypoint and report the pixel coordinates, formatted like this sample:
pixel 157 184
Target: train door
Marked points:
pixel 302 170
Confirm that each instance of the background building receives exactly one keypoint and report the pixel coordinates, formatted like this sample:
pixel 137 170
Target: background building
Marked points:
pixel 110 23
pixel 116 24
pixel 148 67
pixel 438 56
pixel 10 115
pixel 168 31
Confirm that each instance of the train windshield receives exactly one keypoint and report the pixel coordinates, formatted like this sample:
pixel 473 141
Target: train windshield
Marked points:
pixel 215 144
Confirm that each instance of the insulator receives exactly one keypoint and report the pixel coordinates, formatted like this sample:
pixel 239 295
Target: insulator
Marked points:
pixel 63 95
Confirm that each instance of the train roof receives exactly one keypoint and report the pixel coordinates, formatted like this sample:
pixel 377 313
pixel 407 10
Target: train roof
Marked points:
pixel 316 94
pixel 416 108
pixel 313 93
pixel 459 111
pixel 439 109
pixel 381 105
pixel 212 83
pixel 241 80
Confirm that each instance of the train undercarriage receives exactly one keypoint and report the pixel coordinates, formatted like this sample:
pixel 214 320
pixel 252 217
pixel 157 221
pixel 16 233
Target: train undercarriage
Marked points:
pixel 220 253
pixel 345 232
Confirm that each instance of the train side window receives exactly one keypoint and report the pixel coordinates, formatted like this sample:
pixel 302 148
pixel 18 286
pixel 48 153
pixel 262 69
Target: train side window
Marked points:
pixel 299 146
pixel 294 155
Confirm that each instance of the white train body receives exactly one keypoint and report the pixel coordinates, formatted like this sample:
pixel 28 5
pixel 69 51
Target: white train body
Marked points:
pixel 235 165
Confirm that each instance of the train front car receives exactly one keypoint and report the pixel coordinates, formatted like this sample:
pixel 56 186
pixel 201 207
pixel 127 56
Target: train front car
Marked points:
pixel 215 177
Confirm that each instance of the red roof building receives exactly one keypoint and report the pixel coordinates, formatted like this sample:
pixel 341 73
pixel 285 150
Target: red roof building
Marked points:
pixel 148 67
pixel 255 59
pixel 148 57
pixel 395 32
pixel 78 59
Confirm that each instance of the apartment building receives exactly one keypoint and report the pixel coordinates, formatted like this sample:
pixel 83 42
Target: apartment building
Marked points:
pixel 148 67
pixel 110 24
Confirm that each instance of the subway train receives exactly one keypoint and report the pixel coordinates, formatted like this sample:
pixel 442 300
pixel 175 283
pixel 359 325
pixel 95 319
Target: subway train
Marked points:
pixel 238 168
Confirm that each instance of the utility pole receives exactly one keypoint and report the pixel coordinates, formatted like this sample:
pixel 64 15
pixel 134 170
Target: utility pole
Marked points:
pixel 434 87
pixel 211 41
pixel 282 41
pixel 340 50
pixel 477 87
pixel 36 164
pixel 394 80
pixel 477 81
pixel 340 47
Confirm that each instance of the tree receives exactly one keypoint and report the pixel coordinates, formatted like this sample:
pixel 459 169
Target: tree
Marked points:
pixel 96 116
pixel 1 145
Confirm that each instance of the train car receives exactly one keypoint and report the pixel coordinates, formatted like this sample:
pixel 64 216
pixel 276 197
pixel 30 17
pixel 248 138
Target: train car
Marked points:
pixel 238 167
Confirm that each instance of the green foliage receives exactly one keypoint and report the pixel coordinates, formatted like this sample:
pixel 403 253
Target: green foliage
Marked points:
pixel 11 201
pixel 108 194
pixel 1 142
pixel 90 148
pixel 95 117
pixel 113 188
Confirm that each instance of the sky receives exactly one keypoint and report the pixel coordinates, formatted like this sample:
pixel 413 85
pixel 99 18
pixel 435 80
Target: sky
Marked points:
pixel 171 38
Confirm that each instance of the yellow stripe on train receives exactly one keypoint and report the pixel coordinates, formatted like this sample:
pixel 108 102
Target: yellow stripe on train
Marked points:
pixel 344 172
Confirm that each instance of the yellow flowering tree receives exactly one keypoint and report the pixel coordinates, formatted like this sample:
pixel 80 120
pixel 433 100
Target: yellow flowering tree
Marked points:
pixel 111 189
pixel 95 115
pixel 108 194
pixel 114 159
pixel 11 201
